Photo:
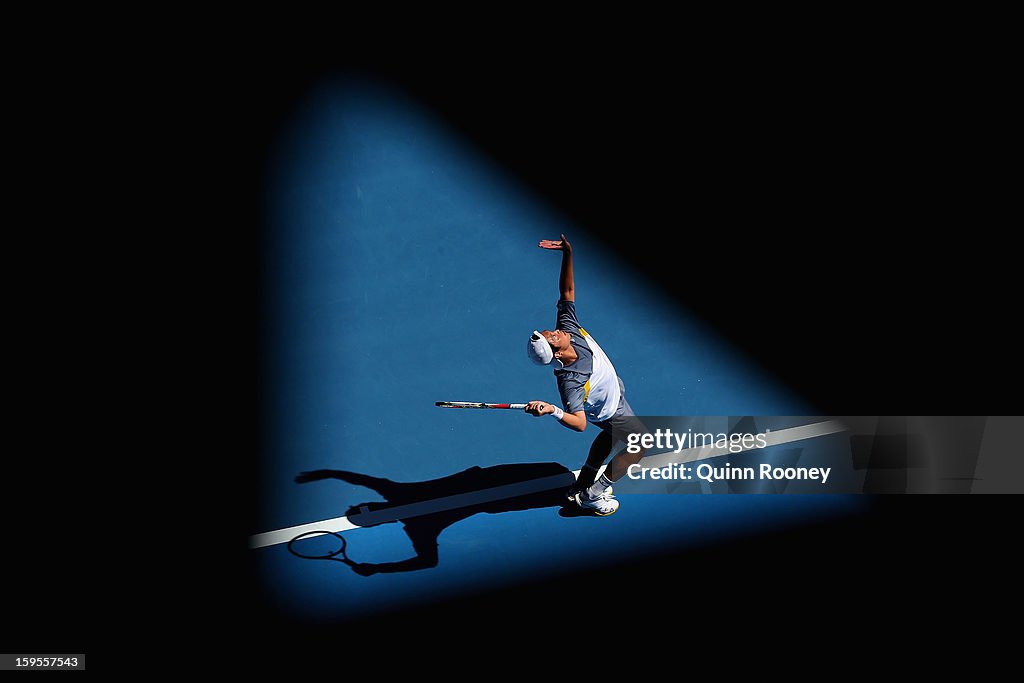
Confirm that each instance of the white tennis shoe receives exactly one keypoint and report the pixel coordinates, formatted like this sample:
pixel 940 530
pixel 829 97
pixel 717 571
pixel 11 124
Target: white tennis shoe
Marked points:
pixel 603 505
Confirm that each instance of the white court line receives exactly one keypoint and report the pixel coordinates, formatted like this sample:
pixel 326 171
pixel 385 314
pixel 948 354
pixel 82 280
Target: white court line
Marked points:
pixel 427 507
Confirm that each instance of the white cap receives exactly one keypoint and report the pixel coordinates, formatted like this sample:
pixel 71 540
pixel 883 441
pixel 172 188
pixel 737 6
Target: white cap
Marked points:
pixel 540 351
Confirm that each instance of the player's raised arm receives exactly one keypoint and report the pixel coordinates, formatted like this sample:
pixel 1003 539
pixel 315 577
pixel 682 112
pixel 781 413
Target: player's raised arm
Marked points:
pixel 566 287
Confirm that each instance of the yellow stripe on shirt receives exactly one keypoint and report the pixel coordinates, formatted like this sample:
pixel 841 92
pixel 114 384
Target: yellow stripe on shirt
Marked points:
pixel 586 387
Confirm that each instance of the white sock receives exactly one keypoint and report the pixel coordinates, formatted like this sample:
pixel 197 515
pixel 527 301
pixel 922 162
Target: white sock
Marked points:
pixel 599 487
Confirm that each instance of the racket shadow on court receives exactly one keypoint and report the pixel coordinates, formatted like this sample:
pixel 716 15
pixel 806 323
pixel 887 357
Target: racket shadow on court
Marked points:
pixel 427 508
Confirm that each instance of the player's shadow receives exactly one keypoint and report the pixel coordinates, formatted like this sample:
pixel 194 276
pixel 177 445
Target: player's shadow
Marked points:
pixel 427 508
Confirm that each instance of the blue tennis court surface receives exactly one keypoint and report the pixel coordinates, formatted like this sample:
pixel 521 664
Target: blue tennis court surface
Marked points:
pixel 401 268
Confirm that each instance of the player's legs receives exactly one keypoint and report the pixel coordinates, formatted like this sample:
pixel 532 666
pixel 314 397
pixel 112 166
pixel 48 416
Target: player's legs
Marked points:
pixel 599 451
pixel 617 428
pixel 592 492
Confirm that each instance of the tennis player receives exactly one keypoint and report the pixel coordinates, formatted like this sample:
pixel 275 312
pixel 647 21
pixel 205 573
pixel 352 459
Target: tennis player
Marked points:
pixel 590 389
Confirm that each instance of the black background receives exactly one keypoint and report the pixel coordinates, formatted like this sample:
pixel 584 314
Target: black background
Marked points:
pixel 847 199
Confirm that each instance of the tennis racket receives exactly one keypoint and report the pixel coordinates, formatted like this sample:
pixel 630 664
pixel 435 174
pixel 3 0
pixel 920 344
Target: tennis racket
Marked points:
pixel 319 545
pixel 327 545
pixel 487 406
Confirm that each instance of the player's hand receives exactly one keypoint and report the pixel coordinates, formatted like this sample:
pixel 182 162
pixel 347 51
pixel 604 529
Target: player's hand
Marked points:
pixel 538 408
pixel 557 245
